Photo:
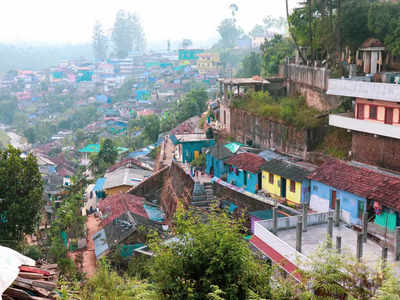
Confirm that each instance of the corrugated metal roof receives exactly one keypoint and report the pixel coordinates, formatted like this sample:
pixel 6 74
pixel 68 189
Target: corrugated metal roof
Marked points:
pixel 154 213
pixel 99 186
pixel 100 243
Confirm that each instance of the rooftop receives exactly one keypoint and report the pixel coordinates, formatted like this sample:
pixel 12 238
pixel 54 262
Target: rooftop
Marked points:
pixel 288 170
pixel 244 81
pixel 125 176
pixel 247 161
pixel 367 183
pixel 191 137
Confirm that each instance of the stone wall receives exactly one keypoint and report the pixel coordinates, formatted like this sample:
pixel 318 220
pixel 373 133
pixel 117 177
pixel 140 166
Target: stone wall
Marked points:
pixel 265 133
pixel 149 187
pixel 379 151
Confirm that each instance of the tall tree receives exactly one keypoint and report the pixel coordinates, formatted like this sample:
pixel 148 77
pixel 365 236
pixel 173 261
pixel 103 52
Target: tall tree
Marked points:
pixel 99 42
pixel 229 33
pixel 127 34
pixel 21 199
pixel 250 66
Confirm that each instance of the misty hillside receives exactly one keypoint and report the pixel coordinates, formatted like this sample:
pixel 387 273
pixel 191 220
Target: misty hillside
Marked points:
pixel 40 56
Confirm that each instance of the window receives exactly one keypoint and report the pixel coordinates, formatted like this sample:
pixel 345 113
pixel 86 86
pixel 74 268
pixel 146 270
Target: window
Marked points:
pixel 271 178
pixel 373 112
pixel 293 186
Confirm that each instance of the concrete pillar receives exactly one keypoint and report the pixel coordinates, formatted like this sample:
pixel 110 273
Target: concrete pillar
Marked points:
pixel 337 213
pixel 274 220
pixel 359 253
pixel 365 227
pixel 339 243
pixel 330 229
pixel 397 244
pixel 231 92
pixel 305 215
pixel 384 255
pixel 299 232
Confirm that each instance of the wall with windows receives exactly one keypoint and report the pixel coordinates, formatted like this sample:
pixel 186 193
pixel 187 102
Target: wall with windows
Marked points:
pixel 271 183
pixel 375 110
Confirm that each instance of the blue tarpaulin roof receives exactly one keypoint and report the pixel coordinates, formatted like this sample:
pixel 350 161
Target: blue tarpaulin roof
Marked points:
pixel 99 185
pixel 154 213
pixel 100 243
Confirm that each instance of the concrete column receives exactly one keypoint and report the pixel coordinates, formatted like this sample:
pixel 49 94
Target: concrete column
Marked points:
pixel 397 244
pixel 299 232
pixel 359 246
pixel 384 255
pixel 274 220
pixel 330 229
pixel 365 227
pixel 305 215
pixel 339 243
pixel 225 92
pixel 337 213
pixel 231 92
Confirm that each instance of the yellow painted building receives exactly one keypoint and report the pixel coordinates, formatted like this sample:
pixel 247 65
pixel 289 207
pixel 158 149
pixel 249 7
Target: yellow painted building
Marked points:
pixel 287 180
pixel 118 190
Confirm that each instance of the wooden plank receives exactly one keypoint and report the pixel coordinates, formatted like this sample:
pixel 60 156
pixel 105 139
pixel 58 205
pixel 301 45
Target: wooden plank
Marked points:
pixel 48 285
pixel 34 270
pixel 49 267
pixel 17 293
pixel 30 275
pixel 40 291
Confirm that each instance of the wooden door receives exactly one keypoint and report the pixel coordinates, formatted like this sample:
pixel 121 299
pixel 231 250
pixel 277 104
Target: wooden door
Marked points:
pixel 333 199
pixel 360 111
pixel 389 115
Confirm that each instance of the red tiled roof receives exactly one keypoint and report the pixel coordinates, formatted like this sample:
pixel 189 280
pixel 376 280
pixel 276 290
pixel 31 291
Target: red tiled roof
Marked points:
pixel 247 161
pixel 276 257
pixel 115 205
pixel 369 184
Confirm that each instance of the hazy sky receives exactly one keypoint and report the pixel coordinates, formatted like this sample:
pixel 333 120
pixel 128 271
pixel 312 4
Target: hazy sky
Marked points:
pixel 71 21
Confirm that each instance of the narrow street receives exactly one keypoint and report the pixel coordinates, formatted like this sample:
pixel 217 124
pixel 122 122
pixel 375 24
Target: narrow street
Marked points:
pixel 89 257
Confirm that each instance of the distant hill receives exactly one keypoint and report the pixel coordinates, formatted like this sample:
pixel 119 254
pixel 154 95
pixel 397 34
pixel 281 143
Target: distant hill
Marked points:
pixel 24 56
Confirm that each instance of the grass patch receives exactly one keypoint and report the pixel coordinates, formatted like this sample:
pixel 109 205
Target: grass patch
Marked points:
pixel 290 110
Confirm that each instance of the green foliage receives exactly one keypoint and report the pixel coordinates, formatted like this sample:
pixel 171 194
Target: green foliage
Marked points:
pixel 155 153
pixel 274 52
pixel 8 110
pixel 337 143
pixel 293 111
pixel 33 252
pixel 127 34
pixel 229 33
pixel 106 157
pixel 125 91
pixel 151 128
pixel 4 139
pixel 107 284
pixel 250 66
pixel 200 161
pixel 207 255
pixel 21 201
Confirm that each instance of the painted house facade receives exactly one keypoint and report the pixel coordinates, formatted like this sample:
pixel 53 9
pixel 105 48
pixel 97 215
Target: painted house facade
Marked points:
pixel 360 189
pixel 189 146
pixel 375 122
pixel 215 158
pixel 245 171
pixel 287 181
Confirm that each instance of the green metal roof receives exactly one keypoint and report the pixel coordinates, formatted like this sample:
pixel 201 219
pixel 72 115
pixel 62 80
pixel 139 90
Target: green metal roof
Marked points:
pixel 233 147
pixel 91 148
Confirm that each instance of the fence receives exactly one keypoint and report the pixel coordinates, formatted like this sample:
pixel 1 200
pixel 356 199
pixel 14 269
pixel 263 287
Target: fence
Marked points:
pixel 291 222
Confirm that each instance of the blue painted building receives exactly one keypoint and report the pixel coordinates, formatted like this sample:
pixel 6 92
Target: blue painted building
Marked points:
pixel 338 180
pixel 189 146
pixel 245 171
pixel 215 158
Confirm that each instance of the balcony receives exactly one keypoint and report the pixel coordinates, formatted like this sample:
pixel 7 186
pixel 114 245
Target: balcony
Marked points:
pixel 366 90
pixel 347 121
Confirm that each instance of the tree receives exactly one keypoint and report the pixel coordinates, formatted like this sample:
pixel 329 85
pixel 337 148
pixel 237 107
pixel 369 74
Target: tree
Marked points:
pixel 21 201
pixel 257 31
pixel 151 128
pixel 186 43
pixel 108 152
pixel 205 257
pixel 250 66
pixel 229 33
pixel 30 135
pixel 274 52
pixel 127 34
pixel 100 42
pixel 234 9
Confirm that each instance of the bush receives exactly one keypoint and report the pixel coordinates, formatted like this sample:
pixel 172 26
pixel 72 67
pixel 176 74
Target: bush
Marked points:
pixel 33 252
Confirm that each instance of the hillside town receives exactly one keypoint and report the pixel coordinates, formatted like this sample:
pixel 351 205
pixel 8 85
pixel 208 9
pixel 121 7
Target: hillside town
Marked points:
pixel 264 167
